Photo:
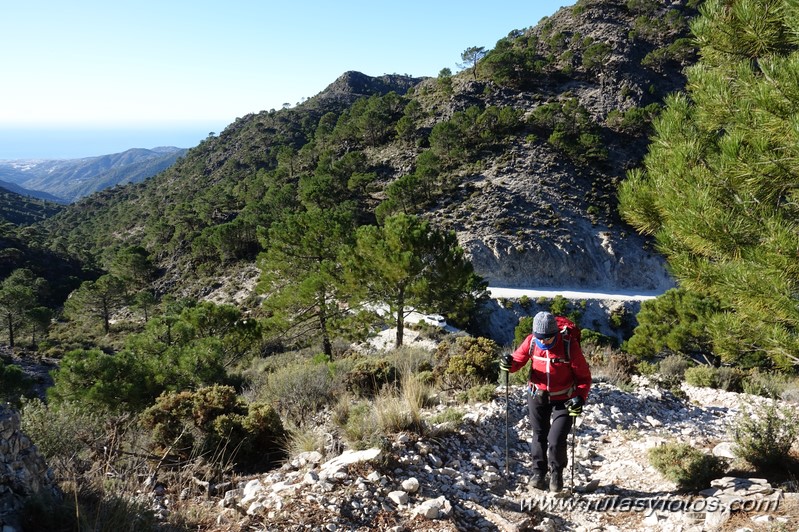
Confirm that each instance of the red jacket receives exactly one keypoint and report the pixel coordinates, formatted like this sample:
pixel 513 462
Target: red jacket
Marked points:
pixel 564 380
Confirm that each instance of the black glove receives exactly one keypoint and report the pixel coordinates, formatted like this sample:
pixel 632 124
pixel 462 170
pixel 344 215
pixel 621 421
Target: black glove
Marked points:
pixel 575 405
pixel 505 362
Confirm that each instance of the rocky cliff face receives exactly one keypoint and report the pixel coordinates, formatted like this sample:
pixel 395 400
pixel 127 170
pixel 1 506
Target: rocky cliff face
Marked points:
pixel 526 227
pixel 534 216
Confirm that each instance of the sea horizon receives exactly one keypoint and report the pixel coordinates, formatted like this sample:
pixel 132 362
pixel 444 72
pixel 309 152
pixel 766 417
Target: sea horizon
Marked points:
pixel 77 142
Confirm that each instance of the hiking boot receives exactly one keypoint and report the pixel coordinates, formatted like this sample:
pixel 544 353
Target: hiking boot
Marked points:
pixel 555 481
pixel 538 480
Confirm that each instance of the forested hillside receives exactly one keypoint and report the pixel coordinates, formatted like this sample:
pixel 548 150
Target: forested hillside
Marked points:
pixel 22 247
pixel 512 164
pixel 24 210
pixel 520 155
pixel 384 193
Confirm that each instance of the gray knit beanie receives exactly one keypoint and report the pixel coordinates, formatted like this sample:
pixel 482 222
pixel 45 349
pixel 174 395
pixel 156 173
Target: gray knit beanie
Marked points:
pixel 544 325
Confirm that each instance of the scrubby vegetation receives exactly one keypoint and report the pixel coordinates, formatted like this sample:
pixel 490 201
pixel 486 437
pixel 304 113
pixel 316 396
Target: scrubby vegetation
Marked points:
pixel 688 467
pixel 764 435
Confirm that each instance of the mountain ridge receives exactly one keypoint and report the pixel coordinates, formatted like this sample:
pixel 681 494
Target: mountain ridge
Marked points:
pixel 536 208
pixel 71 179
pixel 21 191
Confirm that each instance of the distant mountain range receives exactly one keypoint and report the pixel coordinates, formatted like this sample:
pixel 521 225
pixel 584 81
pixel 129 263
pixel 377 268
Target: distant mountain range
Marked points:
pixel 67 180
pixel 22 191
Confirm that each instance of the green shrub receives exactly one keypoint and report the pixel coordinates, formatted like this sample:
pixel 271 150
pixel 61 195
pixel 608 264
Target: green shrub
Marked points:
pixel 215 423
pixel 672 368
pixel 678 51
pixel 105 382
pixel 320 358
pixel 764 434
pixel 13 382
pixel 595 55
pixel 641 6
pixel 522 330
pixel 619 318
pixel 426 377
pixel 701 376
pixel 633 120
pixel 369 375
pixel 262 367
pixel 674 322
pixel 481 394
pixel 173 353
pixel 764 383
pixel 467 361
pixel 65 434
pixel 730 379
pixel 688 467
pixel 559 306
pixel 298 391
pixel 647 368
pixel 589 337
pixel 448 415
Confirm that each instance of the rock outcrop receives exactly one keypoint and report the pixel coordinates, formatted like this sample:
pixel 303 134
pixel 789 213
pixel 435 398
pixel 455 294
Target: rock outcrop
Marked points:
pixel 537 217
pixel 23 471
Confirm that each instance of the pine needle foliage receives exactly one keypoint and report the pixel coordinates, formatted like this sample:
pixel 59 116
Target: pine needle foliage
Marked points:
pixel 719 186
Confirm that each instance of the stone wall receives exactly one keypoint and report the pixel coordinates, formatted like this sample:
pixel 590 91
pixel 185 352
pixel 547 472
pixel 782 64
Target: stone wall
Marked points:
pixel 23 471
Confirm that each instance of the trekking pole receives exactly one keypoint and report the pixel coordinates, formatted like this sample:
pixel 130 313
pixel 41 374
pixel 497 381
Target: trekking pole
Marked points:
pixel 507 452
pixel 574 424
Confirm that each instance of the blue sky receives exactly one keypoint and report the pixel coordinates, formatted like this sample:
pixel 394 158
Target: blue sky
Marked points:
pixel 79 76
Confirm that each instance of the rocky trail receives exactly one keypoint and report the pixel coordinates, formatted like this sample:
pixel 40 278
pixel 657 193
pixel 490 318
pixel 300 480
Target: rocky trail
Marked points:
pixel 454 477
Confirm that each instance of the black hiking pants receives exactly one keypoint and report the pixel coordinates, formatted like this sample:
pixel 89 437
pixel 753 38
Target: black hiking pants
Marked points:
pixel 551 424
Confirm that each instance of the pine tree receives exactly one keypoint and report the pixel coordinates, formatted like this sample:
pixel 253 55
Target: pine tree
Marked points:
pixel 407 265
pixel 302 276
pixel 719 187
pixel 18 295
pixel 98 299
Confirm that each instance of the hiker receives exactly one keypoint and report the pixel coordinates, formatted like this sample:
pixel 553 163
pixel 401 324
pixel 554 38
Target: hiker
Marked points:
pixel 558 388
